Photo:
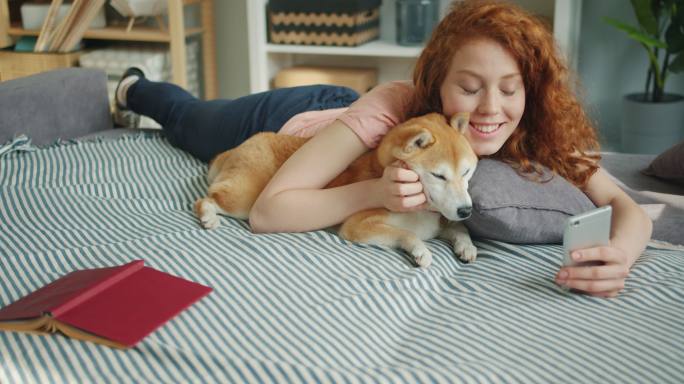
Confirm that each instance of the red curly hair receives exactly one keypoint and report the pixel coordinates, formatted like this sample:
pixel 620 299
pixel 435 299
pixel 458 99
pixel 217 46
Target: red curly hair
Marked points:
pixel 554 130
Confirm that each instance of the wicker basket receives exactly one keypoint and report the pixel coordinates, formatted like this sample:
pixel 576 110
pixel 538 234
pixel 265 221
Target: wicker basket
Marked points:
pixel 323 22
pixel 359 79
pixel 20 64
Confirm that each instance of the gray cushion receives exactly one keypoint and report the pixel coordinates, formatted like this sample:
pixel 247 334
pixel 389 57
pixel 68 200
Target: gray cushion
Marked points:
pixel 628 169
pixel 514 209
pixel 64 103
pixel 669 165
pixel 662 199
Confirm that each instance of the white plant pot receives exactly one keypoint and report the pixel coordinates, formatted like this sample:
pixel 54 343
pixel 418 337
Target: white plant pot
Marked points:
pixel 649 127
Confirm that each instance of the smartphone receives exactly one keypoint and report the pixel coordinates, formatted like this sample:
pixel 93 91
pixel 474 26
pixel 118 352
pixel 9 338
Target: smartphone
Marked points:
pixel 586 230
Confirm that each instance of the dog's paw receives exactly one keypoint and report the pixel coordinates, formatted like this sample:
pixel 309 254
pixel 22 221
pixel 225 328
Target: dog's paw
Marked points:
pixel 465 251
pixel 206 212
pixel 210 222
pixel 422 255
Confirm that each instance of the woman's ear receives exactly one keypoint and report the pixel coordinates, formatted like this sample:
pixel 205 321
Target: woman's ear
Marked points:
pixel 460 121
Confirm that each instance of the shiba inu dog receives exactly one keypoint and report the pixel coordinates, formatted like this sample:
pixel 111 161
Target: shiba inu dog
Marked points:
pixel 429 145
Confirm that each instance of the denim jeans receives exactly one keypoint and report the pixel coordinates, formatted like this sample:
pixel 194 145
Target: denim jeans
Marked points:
pixel 207 128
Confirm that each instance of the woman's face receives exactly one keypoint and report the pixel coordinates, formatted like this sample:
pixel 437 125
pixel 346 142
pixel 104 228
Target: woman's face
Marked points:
pixel 484 79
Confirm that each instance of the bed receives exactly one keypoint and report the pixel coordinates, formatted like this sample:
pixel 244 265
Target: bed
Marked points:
pixel 307 307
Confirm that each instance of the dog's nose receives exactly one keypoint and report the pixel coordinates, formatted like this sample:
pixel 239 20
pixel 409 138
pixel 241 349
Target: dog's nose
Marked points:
pixel 464 212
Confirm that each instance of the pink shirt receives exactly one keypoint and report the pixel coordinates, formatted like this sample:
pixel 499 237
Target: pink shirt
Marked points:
pixel 370 117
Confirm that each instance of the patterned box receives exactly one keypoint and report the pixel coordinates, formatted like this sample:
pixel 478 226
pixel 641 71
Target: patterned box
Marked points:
pixel 323 22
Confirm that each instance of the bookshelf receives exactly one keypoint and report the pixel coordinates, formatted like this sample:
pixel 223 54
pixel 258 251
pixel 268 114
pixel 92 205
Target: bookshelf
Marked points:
pixel 175 35
pixel 392 60
pixel 5 39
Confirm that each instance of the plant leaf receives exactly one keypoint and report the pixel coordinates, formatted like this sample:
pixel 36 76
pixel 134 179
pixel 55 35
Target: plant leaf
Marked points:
pixel 635 33
pixel 645 16
pixel 674 37
pixel 677 65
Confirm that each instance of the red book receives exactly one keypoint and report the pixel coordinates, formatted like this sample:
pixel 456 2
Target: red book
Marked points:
pixel 115 306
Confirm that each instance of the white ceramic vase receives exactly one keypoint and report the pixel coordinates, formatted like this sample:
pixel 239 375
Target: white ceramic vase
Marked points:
pixel 649 127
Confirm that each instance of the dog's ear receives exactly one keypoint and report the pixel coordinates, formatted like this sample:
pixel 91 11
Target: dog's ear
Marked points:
pixel 416 140
pixel 460 121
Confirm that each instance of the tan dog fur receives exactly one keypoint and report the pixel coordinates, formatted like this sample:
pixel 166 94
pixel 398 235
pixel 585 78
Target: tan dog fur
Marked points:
pixel 428 145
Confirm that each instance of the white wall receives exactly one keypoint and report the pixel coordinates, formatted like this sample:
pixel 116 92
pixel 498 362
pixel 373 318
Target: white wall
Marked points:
pixel 612 65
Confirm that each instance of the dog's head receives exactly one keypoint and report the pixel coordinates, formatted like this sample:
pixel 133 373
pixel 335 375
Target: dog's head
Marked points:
pixel 439 153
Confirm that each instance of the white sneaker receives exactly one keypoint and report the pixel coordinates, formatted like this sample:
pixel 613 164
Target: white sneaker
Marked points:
pixel 123 116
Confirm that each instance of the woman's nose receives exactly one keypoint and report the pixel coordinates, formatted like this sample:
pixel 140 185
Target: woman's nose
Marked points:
pixel 489 103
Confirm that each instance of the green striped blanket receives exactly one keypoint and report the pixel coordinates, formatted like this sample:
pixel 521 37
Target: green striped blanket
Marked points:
pixel 307 307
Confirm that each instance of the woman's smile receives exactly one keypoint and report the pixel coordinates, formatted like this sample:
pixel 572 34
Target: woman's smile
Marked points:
pixel 485 130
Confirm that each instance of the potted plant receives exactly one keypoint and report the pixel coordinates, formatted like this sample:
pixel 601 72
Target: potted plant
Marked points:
pixel 653 120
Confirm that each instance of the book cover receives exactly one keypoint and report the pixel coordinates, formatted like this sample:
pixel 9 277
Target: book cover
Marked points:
pixel 117 306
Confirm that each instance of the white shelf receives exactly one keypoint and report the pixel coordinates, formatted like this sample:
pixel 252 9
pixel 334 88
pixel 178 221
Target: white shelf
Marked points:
pixel 392 60
pixel 377 48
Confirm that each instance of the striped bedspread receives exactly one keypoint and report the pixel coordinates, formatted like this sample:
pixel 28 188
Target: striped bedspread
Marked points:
pixel 307 307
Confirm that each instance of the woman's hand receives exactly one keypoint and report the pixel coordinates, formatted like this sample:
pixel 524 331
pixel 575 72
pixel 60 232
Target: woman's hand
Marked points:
pixel 602 270
pixel 400 190
pixel 598 271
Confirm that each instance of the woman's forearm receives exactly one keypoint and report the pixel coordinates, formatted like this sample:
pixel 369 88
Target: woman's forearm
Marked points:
pixel 312 209
pixel 631 226
pixel 295 199
pixel 631 229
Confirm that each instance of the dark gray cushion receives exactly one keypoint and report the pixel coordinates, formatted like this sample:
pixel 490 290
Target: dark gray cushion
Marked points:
pixel 514 209
pixel 64 103
pixel 669 165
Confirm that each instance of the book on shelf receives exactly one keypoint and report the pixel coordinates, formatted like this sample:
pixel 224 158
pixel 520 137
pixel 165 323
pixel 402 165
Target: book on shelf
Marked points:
pixel 115 306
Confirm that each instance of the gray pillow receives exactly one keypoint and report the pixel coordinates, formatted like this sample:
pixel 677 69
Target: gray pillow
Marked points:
pixel 64 103
pixel 511 208
pixel 669 165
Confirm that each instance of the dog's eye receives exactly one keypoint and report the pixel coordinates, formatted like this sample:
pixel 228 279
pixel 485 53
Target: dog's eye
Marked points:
pixel 437 175
pixel 467 171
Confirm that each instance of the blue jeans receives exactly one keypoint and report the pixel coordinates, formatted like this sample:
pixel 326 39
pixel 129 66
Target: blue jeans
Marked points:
pixel 207 128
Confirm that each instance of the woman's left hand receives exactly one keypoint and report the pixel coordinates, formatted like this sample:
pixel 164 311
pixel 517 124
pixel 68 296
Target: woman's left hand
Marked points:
pixel 598 271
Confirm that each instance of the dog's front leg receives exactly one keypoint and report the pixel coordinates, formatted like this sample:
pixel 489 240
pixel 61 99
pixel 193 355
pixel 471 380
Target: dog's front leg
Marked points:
pixel 456 233
pixel 371 227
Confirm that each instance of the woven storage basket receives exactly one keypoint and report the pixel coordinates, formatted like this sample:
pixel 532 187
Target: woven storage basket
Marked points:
pixel 359 79
pixel 20 64
pixel 323 22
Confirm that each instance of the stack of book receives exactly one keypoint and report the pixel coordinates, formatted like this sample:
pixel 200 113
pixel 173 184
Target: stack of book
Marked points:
pixel 66 35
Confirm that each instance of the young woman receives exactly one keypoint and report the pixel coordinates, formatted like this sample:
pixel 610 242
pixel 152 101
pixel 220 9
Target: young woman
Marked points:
pixel 488 58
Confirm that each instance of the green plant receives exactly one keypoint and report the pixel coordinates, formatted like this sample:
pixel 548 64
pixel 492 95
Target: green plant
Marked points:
pixel 661 27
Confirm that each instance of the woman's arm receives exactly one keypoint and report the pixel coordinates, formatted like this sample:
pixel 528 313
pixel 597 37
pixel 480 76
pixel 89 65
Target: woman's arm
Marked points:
pixel 630 231
pixel 294 201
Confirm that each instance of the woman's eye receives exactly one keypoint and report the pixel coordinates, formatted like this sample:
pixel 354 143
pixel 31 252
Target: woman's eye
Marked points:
pixel 469 92
pixel 437 175
pixel 508 93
